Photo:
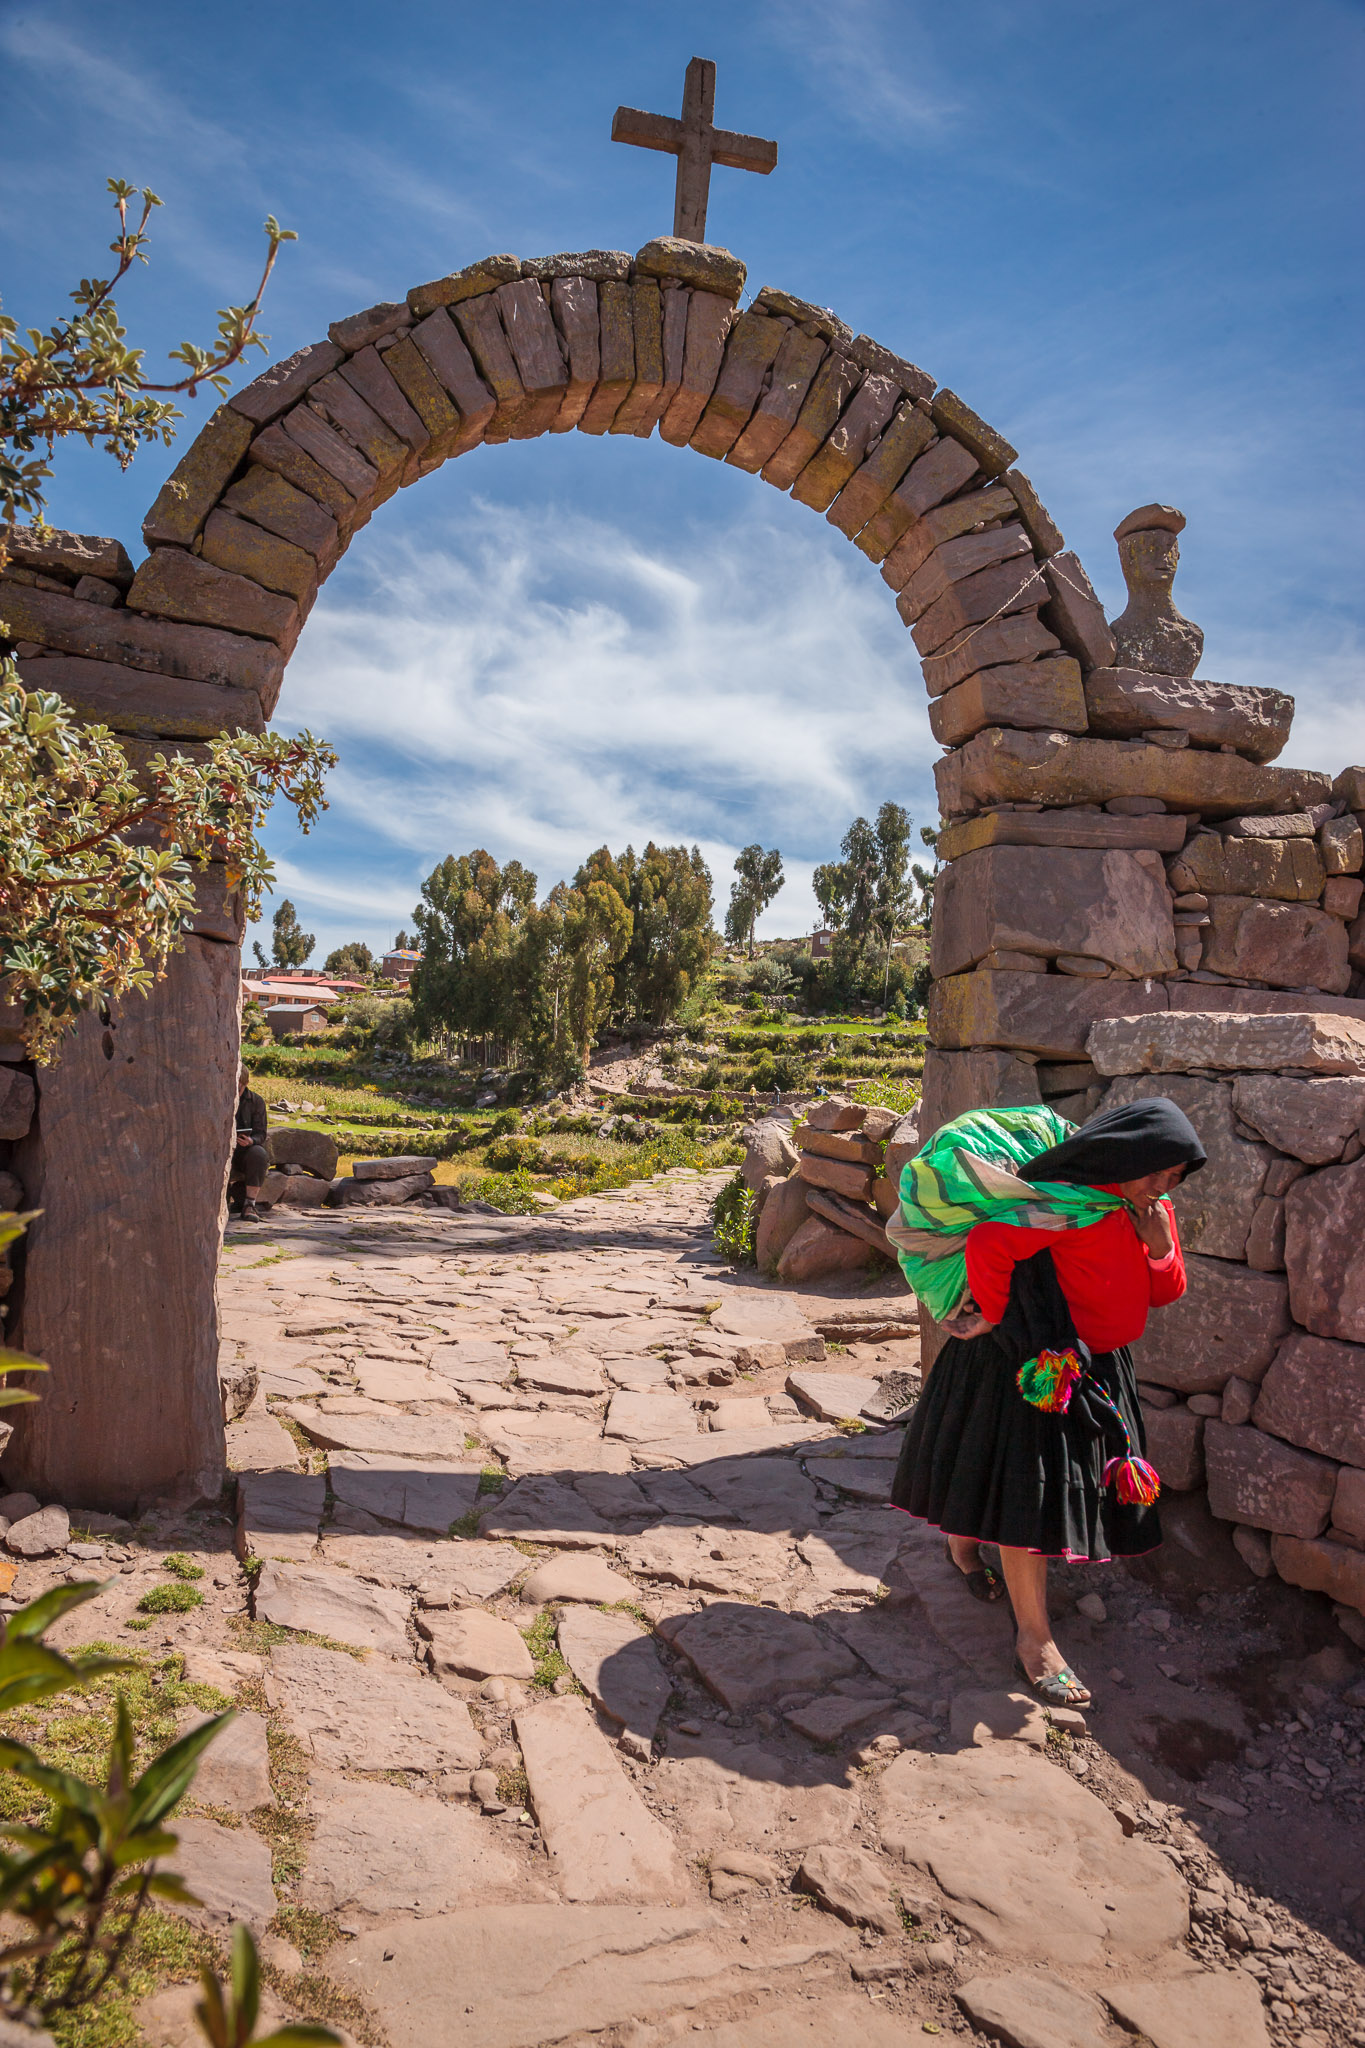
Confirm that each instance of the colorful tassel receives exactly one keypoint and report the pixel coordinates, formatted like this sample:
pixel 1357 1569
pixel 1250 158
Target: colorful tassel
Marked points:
pixel 1135 1481
pixel 1049 1380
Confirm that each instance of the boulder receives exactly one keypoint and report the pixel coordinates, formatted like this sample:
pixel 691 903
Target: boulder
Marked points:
pixel 852 1146
pixel 1109 906
pixel 1196 2009
pixel 903 1142
pixel 313 1149
pixel 1285 945
pixel 782 1216
pixel 1288 870
pixel 854 1217
pixel 770 1150
pixel 1180 1040
pixel 999 766
pixel 818 1248
pixel 835 1113
pixel 1310 1120
pixel 1256 1479
pixel 473 1644
pixel 1215 1206
pixel 43 1534
pixel 1175 1445
pixel 851 1884
pixel 1336 1569
pixel 1034 2012
pixel 378 1194
pixel 841 1175
pixel 1314 1396
pixel 400 1167
pixel 1324 1216
pixel 955 1082
pixel 1229 1321
pixel 1124 703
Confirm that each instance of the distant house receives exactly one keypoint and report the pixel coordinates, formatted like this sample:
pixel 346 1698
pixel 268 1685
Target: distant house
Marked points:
pixel 291 1014
pixel 400 965
pixel 821 945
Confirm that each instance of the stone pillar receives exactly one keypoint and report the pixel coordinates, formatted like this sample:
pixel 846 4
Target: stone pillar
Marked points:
pixel 128 1162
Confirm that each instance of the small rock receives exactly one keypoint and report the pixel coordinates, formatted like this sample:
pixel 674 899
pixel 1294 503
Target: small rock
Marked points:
pixel 1070 1720
pixel 40 1535
pixel 1126 1816
pixel 15 1507
pixel 1092 1607
pixel 576 1576
pixel 484 1786
pixel 849 1883
pixel 472 1644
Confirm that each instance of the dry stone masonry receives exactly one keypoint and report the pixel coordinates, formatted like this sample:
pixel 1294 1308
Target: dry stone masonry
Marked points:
pixel 1119 841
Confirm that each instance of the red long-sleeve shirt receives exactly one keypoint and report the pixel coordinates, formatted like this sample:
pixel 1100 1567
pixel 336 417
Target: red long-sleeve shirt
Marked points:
pixel 1106 1273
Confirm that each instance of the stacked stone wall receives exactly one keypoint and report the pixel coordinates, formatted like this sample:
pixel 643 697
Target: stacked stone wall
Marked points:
pixel 1083 759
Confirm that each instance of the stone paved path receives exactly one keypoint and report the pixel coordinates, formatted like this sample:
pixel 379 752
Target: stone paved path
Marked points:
pixel 606 1700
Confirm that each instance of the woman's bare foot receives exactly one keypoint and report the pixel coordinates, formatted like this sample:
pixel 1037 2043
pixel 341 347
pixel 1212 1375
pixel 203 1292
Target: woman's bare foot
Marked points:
pixel 1042 1660
pixel 965 1552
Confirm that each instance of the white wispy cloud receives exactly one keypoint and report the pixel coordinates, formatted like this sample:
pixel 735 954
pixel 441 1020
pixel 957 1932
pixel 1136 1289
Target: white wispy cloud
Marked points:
pixel 874 63
pixel 538 684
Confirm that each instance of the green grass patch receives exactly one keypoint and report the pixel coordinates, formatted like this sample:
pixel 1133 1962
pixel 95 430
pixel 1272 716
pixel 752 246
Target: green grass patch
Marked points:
pixel 170 1600
pixel 545 1654
pixel 180 1566
pixel 261 1637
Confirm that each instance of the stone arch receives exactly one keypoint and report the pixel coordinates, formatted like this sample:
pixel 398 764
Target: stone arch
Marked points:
pixel 1018 659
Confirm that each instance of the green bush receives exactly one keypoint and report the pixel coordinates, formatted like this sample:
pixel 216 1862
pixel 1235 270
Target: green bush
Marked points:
pixel 170 1600
pixel 181 1567
pixel 734 1223
pixel 516 1155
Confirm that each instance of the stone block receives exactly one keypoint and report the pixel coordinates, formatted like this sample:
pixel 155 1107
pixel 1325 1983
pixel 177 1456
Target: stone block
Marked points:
pixel 1012 586
pixel 832 386
pixel 769 1150
pixel 838 1145
pixel 1214 1207
pixel 358 330
pixel 908 435
pixel 1286 945
pixel 904 1141
pixel 1175 1445
pixel 94 590
pixel 708 322
pixel 369 374
pixel 1341 896
pixel 129 700
pixel 836 1113
pixel 1288 870
pixel 1314 1396
pixel 66 626
pixel 443 349
pixel 1348 1503
pixel 1230 1321
pixel 1113 907
pixel 1053 768
pixel 1343 846
pixel 473 280
pixel 1049 1014
pixel 396 1167
pixel 951 415
pixel 279 451
pixel 284 383
pixel 268 500
pixel 854 1217
pixel 198 480
pixel 336 453
pixel 1324 1233
pixel 386 452
pixel 595 264
pixel 1265 1239
pixel 1019 638
pixel 417 381
pixel 862 419
pixel 1180 1040
pixel 1239 1398
pixel 1036 695
pixel 879 361
pixel 537 353
pixel 1254 1478
pixel 174 585
pixel 839 1174
pixel 313 1149
pixel 359 1194
pixel 783 1214
pixel 1335 1569
pixel 247 550
pixel 818 1248
pixel 955 1082
pixel 920 533
pixel 1125 702
pixel 957 559
pixel 793 373
pixel 704 265
pixel 49 550
pixel 1057 828
pixel 1075 614
pixel 1311 1120
pixel 750 350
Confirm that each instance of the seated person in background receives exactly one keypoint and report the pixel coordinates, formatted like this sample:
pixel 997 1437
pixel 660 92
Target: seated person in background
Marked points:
pixel 247 1172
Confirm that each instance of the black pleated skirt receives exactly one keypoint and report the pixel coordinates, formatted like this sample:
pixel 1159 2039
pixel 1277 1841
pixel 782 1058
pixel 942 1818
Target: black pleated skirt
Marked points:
pixel 979 1460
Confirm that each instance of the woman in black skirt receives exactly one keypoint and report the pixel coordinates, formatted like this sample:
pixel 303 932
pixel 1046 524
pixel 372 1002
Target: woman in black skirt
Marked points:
pixel 983 1464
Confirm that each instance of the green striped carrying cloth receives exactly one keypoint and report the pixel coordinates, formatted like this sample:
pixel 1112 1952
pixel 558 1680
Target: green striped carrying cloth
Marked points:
pixel 968 1173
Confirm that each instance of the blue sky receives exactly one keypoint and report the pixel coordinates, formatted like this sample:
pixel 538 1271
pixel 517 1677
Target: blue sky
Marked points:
pixel 1130 237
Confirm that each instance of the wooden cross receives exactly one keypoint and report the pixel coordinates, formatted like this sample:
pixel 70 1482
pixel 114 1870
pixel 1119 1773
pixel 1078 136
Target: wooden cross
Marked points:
pixel 696 145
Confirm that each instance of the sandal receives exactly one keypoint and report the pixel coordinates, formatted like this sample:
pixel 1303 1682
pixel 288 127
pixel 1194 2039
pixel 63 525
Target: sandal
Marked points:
pixel 1057 1688
pixel 982 1584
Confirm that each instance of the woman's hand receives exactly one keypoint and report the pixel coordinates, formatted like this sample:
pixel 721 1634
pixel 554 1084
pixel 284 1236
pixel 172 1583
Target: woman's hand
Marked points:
pixel 1152 1222
pixel 972 1324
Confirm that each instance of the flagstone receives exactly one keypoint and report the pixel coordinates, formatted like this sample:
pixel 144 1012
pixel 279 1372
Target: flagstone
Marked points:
pixel 322 1602
pixel 602 1839
pixel 378 1850
pixel 429 1494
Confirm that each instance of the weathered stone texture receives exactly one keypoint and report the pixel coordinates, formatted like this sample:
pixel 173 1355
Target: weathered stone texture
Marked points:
pixel 1286 945
pixel 831 388
pixel 174 585
pixel 1181 1040
pixel 1335 1569
pixel 132 1408
pixel 196 483
pixel 1288 870
pixel 1075 614
pixel 1230 1321
pixel 1311 1120
pixel 1050 1014
pixel 869 488
pixel 750 351
pixel 956 560
pixel 1215 1206
pixel 248 550
pixel 1113 907
pixel 798 359
pixel 129 700
pixel 783 1214
pixel 1012 586
pixel 285 382
pixel 846 444
pixel 1314 1396
pixel 704 265
pixel 1124 703
pixel 67 626
pixel 1057 828
pixel 1054 768
pixel 952 415
pixel 1254 1478
pixel 51 551
pixel 473 280
pixel 1175 1445
pixel 955 1082
pixel 1324 1236
pixel 269 501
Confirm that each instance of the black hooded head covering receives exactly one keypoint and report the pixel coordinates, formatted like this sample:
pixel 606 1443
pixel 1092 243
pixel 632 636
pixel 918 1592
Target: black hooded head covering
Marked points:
pixel 1123 1144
